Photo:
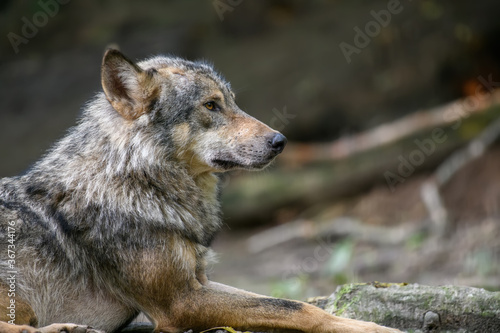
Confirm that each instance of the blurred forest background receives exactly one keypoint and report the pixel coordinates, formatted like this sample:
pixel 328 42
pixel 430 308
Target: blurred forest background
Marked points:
pixel 390 108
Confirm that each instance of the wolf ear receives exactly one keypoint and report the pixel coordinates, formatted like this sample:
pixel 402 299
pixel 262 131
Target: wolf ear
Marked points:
pixel 130 90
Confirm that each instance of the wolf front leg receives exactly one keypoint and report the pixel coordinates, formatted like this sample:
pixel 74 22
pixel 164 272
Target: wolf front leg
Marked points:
pixel 10 328
pixel 215 305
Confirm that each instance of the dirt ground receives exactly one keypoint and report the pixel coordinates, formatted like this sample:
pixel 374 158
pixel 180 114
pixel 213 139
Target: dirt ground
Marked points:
pixel 468 254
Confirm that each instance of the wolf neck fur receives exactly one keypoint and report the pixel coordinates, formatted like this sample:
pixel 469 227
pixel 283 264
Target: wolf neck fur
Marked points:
pixel 149 188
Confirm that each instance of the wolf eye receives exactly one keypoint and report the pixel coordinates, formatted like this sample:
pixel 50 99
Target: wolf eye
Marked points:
pixel 212 106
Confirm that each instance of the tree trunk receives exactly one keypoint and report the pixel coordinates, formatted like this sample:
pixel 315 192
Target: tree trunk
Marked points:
pixel 417 308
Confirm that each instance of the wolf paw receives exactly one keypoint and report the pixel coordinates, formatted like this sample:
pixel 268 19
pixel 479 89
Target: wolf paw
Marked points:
pixel 68 328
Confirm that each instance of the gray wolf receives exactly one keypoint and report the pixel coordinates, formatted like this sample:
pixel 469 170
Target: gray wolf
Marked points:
pixel 117 218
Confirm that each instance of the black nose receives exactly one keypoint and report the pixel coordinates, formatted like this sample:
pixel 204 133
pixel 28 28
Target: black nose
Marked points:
pixel 278 142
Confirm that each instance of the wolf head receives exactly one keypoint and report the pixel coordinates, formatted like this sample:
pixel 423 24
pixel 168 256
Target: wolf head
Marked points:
pixel 190 107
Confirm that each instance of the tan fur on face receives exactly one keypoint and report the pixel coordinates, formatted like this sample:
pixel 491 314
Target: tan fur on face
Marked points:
pixel 247 128
pixel 185 144
pixel 226 133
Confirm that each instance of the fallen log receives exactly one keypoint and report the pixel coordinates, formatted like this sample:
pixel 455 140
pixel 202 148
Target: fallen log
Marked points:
pixel 417 308
pixel 430 190
pixel 339 227
pixel 418 121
